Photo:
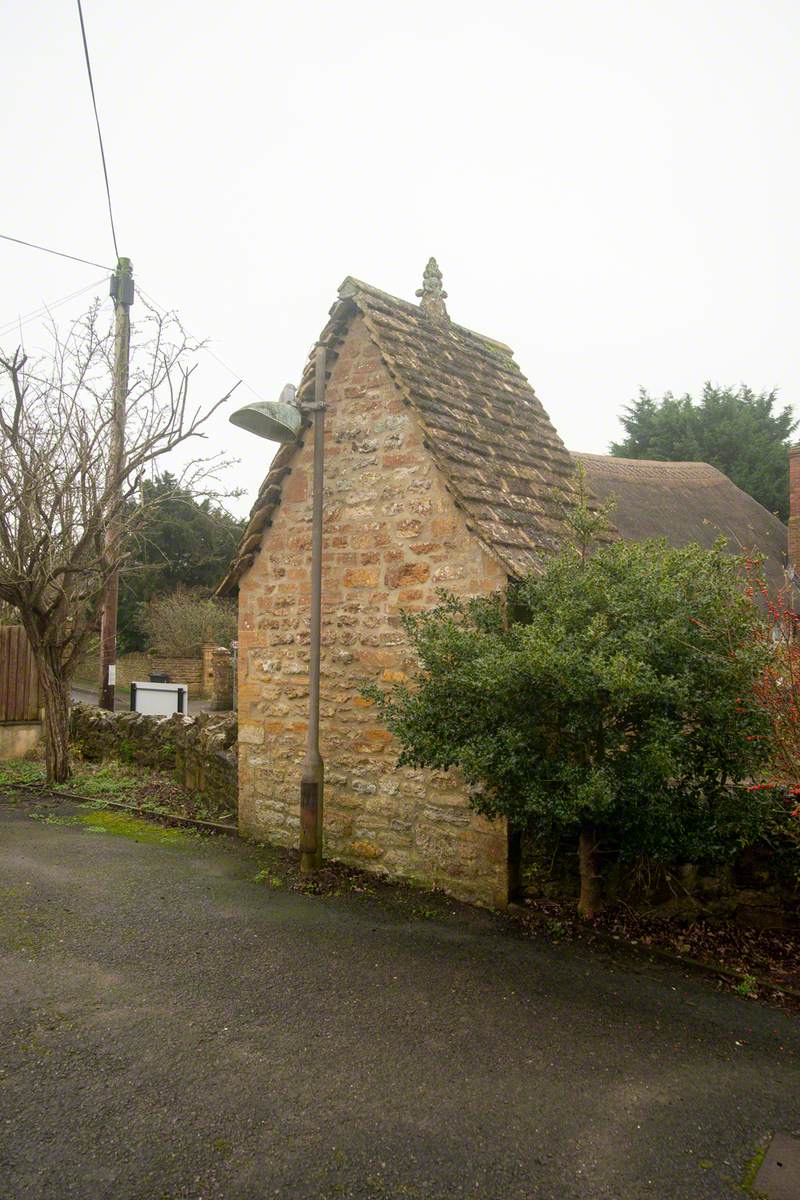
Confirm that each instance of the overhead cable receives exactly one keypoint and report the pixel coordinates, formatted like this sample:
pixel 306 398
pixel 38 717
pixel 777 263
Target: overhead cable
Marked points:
pixel 59 253
pixel 206 349
pixel 97 123
pixel 42 312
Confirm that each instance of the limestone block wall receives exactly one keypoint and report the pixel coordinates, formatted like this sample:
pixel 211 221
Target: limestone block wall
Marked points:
pixel 393 536
pixel 180 670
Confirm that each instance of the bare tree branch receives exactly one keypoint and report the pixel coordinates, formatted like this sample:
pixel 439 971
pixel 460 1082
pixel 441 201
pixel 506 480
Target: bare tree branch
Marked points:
pixel 69 513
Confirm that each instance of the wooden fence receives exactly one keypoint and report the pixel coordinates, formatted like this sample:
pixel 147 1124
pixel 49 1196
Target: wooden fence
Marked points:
pixel 19 679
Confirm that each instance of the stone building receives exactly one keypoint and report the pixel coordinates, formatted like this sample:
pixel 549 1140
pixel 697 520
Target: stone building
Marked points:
pixel 442 471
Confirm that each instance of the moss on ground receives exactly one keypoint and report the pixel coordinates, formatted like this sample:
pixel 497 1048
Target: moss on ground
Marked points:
pixel 123 825
pixel 752 1169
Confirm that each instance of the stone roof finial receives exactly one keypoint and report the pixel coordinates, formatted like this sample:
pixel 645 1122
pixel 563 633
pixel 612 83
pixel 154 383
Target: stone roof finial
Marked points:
pixel 432 294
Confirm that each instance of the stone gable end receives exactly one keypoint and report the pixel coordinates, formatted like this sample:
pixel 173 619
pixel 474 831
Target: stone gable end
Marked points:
pixel 392 537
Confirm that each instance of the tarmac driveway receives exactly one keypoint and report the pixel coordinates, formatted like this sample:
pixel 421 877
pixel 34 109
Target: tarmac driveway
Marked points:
pixel 171 1028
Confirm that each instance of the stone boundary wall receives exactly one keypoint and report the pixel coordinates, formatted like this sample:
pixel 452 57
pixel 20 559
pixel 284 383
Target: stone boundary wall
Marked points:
pixel 131 667
pixel 200 750
pixel 180 670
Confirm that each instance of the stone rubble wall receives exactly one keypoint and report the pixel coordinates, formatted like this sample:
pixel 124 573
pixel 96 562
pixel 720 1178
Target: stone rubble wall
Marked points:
pixel 200 750
pixel 392 537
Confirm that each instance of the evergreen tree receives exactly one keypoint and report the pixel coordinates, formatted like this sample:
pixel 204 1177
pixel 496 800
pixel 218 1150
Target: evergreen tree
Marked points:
pixel 186 543
pixel 742 433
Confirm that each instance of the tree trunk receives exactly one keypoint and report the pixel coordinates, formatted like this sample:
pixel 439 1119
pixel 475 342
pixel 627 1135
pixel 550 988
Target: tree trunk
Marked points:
pixel 56 695
pixel 591 901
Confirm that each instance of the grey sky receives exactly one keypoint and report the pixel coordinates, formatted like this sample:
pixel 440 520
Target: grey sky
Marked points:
pixel 611 188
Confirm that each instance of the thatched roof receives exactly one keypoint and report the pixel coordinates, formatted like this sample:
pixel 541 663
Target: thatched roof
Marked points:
pixel 482 423
pixel 686 502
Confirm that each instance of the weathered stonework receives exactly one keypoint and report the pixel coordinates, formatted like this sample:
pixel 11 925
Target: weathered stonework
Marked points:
pixel 200 750
pixel 393 536
pixel 207 655
pixel 221 680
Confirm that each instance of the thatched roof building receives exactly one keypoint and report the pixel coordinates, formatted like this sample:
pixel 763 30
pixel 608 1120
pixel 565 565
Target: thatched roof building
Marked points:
pixel 686 502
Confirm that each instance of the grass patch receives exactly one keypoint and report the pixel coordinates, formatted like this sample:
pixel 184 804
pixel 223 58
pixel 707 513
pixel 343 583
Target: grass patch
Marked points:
pixel 20 770
pixel 270 878
pixel 145 788
pixel 748 986
pixel 112 780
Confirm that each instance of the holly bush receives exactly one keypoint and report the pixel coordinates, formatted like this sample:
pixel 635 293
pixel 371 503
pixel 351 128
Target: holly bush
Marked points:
pixel 611 694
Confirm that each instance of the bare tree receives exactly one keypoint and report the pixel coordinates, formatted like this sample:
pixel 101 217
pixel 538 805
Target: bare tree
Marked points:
pixel 70 507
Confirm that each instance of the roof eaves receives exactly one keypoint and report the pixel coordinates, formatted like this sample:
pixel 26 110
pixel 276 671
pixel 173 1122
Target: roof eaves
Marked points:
pixel 269 494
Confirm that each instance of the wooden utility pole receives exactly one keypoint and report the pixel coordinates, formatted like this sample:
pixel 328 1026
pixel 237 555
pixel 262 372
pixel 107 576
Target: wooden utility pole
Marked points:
pixel 122 295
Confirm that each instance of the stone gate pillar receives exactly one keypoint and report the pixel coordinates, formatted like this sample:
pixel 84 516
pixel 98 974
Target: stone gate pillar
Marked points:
pixel 222 681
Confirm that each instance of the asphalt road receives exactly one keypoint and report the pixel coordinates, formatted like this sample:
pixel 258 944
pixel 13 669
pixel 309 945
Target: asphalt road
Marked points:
pixel 170 1028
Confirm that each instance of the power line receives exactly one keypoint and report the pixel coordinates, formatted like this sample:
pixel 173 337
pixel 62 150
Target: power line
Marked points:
pixel 97 123
pixel 47 308
pixel 41 312
pixel 59 253
pixel 207 349
pixel 231 371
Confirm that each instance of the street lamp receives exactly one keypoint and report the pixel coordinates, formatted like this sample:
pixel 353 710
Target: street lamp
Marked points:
pixel 281 421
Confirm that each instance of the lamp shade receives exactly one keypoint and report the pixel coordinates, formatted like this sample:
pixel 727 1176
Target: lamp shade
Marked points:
pixel 274 420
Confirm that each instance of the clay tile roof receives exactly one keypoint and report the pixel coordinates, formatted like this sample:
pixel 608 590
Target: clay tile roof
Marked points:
pixel 686 502
pixel 482 423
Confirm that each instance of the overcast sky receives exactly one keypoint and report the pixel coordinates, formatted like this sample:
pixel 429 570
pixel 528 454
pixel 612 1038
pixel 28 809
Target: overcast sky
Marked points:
pixel 610 188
